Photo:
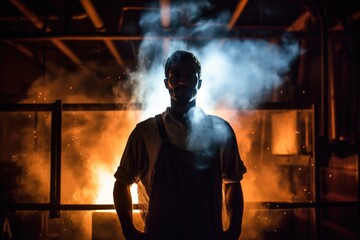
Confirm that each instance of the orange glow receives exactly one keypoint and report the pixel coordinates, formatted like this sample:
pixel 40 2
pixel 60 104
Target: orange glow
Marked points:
pixel 94 142
pixel 284 133
pixel 105 187
pixel 134 193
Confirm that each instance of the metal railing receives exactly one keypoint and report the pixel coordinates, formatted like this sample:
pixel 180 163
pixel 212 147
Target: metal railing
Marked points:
pixel 55 206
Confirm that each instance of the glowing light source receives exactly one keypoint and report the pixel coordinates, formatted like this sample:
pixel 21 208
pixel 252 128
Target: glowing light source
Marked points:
pixel 105 180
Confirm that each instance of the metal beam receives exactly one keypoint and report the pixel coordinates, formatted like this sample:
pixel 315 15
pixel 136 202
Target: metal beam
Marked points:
pixel 99 25
pixel 248 206
pixel 299 23
pixel 240 33
pixel 238 11
pixel 55 167
pixel 26 107
pixel 165 13
pixel 39 24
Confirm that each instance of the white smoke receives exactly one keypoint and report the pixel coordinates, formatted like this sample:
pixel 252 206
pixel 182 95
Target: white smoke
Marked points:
pixel 236 73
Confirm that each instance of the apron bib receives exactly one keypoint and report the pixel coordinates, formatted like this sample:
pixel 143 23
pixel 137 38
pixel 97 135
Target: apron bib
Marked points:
pixel 186 196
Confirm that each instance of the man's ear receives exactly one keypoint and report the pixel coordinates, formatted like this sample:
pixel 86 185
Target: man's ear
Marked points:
pixel 199 84
pixel 166 82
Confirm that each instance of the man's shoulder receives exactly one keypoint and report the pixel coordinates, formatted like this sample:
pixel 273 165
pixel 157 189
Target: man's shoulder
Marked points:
pixel 146 122
pixel 148 131
pixel 217 120
pixel 147 126
pixel 220 126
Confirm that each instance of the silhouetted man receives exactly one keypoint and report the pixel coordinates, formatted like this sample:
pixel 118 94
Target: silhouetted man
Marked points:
pixel 183 158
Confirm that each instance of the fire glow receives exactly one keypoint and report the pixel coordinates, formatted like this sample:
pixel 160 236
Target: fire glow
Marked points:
pixel 105 188
pixel 93 143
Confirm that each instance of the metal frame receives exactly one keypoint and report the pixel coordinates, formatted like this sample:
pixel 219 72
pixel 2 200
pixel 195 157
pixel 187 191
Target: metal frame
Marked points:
pixel 55 206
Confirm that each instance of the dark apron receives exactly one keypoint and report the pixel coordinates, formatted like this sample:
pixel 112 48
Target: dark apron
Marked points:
pixel 185 201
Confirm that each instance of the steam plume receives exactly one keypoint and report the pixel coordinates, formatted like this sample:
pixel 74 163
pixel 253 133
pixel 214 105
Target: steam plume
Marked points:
pixel 235 73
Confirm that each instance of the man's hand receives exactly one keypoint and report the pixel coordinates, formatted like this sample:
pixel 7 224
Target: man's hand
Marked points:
pixel 137 235
pixel 226 235
pixel 123 206
pixel 234 206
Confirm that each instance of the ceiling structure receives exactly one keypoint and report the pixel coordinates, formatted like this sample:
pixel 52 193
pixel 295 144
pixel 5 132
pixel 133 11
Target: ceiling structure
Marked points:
pixel 107 34
pixel 101 30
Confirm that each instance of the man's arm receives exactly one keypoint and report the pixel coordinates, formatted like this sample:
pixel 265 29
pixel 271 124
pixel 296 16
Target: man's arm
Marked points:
pixel 235 207
pixel 123 206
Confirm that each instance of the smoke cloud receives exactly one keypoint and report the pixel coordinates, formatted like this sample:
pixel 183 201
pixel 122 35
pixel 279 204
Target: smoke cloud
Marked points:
pixel 236 73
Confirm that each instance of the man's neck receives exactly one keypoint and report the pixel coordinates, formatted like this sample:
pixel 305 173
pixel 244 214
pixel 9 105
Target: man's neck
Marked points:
pixel 179 110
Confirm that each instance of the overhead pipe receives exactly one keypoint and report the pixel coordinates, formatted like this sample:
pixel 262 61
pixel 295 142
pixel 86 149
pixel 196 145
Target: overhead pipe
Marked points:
pixel 99 25
pixel 39 24
pixel 21 48
pixel 322 151
pixel 165 18
pixel 238 11
pixel 323 128
pixel 80 16
pixel 299 23
pixel 165 13
pixel 263 33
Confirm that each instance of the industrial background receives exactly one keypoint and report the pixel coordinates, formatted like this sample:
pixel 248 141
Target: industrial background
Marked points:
pixel 76 76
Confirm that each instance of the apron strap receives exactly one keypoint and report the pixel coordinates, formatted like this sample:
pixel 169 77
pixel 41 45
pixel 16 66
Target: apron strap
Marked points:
pixel 161 126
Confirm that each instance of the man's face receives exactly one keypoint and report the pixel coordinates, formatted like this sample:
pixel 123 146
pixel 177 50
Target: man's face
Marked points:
pixel 183 82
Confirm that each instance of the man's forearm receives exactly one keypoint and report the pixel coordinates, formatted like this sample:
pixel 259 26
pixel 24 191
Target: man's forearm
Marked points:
pixel 235 208
pixel 123 206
